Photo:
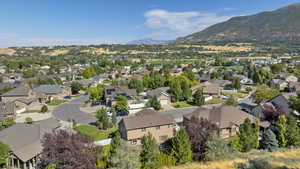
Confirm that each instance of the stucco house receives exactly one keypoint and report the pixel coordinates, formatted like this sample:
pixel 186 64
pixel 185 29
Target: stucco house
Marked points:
pixel 161 126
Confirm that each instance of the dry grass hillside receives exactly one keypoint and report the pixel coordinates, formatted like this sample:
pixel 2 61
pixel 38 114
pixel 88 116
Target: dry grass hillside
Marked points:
pixel 7 51
pixel 282 159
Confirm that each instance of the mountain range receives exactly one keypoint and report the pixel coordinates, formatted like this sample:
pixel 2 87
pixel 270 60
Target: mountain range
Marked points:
pixel 281 25
pixel 147 41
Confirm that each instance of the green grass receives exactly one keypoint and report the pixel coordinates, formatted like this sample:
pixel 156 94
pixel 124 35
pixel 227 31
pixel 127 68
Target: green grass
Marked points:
pixel 31 111
pixel 56 102
pixel 182 104
pixel 214 101
pixel 94 132
pixel 236 95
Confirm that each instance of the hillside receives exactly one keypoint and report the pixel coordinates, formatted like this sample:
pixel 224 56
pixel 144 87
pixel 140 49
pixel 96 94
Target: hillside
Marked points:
pixel 288 159
pixel 282 25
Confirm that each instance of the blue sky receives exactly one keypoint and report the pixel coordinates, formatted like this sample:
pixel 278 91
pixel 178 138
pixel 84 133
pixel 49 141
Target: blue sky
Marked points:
pixel 66 22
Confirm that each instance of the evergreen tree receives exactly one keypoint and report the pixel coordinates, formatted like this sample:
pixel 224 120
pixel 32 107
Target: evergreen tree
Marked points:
pixel 256 133
pixel 282 131
pixel 181 147
pixel 154 102
pixel 269 140
pixel 216 147
pixel 236 83
pixel 186 89
pixel 293 134
pixel 247 136
pixel 198 97
pixel 115 143
pixel 149 153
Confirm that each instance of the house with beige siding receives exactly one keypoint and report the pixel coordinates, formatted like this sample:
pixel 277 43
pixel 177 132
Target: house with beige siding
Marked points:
pixel 161 126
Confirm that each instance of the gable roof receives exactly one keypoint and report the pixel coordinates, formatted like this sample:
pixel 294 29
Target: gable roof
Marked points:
pixel 146 118
pixel 20 91
pixel 224 116
pixel 49 89
pixel 25 140
pixel 7 109
pixel 158 92
pixel 115 91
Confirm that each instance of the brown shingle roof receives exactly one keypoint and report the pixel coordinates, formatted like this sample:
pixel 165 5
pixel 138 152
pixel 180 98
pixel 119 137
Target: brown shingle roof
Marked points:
pixel 147 118
pixel 224 116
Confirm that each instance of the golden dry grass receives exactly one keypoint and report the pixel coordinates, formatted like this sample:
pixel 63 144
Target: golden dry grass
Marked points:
pixel 7 51
pixel 286 158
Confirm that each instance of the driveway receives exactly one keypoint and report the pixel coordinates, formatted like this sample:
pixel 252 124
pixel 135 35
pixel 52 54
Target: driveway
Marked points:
pixel 71 111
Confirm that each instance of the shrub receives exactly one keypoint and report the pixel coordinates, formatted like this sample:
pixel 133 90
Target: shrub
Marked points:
pixel 235 144
pixel 165 160
pixel 44 109
pixel 29 120
pixel 269 140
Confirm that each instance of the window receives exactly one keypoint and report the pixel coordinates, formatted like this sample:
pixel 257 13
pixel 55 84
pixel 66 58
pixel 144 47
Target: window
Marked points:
pixel 158 128
pixel 134 141
pixel 143 129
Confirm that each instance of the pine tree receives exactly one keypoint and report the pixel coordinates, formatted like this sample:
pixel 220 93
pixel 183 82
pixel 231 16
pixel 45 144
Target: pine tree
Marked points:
pixel 181 147
pixel 198 97
pixel 114 118
pixel 247 136
pixel 256 133
pixel 149 153
pixel 269 140
pixel 282 131
pixel 293 134
pixel 115 143
pixel 216 147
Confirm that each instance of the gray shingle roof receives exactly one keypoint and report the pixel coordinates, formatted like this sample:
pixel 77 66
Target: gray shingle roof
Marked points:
pixel 224 116
pixel 146 118
pixel 20 91
pixel 7 109
pixel 49 89
pixel 25 139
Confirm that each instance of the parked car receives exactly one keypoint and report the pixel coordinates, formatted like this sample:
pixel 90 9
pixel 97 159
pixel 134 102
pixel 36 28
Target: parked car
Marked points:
pixel 67 97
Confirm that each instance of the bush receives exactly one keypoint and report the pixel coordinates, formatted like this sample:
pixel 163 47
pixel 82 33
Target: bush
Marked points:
pixel 235 144
pixel 44 109
pixel 29 120
pixel 165 160
pixel 256 164
pixel 269 140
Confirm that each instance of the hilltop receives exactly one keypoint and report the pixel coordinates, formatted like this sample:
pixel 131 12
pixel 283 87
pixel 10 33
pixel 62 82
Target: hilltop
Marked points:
pixel 281 25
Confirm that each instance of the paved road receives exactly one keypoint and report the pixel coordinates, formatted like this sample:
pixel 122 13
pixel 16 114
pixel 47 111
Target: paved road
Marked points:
pixel 71 110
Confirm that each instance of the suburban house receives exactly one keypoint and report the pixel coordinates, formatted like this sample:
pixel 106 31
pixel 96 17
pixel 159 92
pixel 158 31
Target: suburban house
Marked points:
pixel 24 98
pixel 227 118
pixel 7 110
pixel 161 94
pixel 161 126
pixel 271 109
pixel 209 89
pixel 25 151
pixel 113 92
pixel 283 80
pixel 53 91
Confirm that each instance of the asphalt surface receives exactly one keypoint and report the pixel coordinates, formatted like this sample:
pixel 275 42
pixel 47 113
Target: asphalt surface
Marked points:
pixel 71 111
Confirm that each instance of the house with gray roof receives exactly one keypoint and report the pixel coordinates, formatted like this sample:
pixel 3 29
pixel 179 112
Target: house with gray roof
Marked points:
pixel 160 125
pixel 111 94
pixel 227 118
pixel 53 91
pixel 161 94
pixel 24 141
pixel 6 110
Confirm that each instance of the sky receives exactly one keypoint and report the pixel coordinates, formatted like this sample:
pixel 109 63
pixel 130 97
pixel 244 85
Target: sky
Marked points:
pixel 85 22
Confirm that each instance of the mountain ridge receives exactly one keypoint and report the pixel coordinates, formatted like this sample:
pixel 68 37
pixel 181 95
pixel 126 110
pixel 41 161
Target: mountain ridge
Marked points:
pixel 282 24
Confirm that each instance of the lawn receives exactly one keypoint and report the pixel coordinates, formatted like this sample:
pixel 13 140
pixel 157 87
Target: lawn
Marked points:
pixel 214 101
pixel 30 111
pixel 236 95
pixel 94 132
pixel 56 102
pixel 181 104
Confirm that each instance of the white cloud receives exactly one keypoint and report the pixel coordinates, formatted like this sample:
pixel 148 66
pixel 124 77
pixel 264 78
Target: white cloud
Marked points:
pixel 9 40
pixel 181 23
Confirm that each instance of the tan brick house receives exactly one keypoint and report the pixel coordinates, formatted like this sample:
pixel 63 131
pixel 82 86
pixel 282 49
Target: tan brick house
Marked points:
pixel 161 126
